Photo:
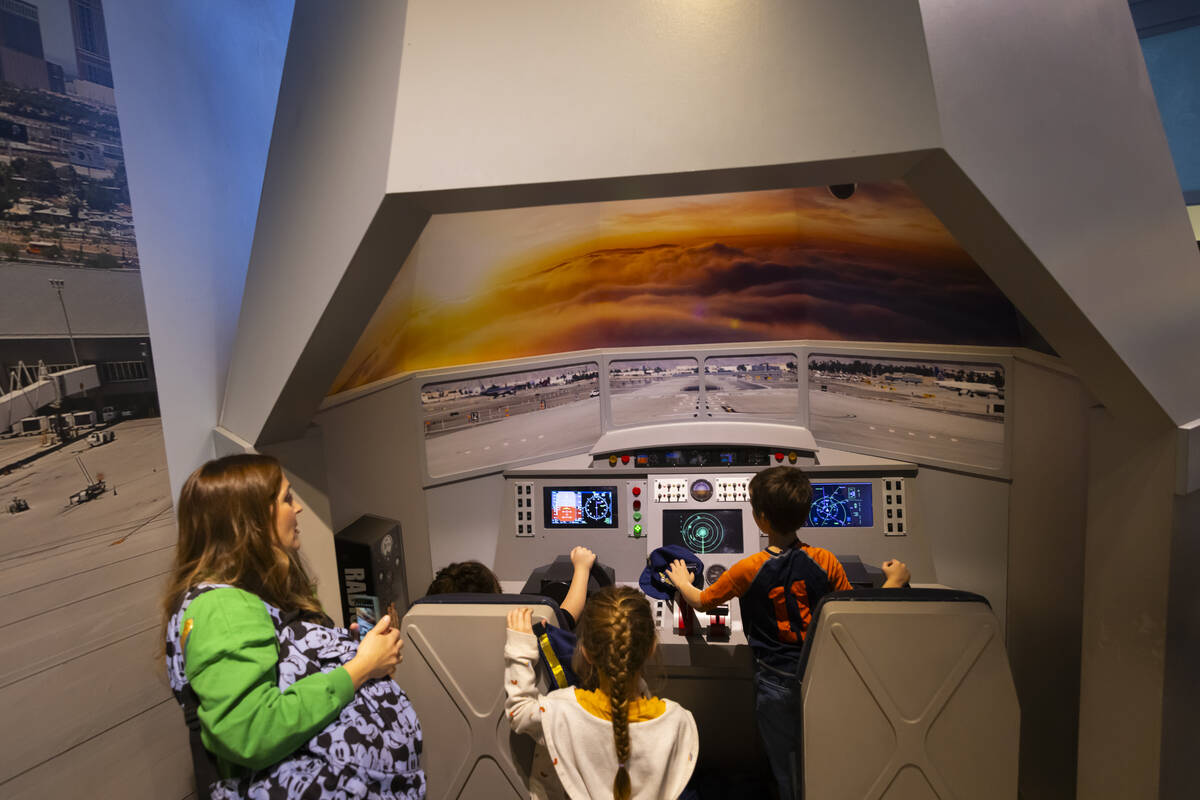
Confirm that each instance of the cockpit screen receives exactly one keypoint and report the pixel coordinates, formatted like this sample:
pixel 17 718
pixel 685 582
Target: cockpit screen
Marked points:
pixel 715 531
pixel 841 505
pixel 579 507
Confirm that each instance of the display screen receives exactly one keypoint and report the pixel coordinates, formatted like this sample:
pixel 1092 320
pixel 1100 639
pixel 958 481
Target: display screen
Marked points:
pixel 841 505
pixel 715 531
pixel 579 506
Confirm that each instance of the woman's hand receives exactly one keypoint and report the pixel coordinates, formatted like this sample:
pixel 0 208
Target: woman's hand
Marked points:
pixel 378 653
pixel 521 620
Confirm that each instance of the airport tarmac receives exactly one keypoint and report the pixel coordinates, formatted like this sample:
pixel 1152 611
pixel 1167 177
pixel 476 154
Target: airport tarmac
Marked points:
pixel 515 438
pixel 80 661
pixel 906 432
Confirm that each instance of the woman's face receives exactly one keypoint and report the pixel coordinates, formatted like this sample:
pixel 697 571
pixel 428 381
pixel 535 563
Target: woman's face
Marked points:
pixel 287 508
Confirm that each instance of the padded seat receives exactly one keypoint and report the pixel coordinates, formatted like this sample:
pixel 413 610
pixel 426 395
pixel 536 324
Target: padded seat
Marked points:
pixel 453 673
pixel 907 695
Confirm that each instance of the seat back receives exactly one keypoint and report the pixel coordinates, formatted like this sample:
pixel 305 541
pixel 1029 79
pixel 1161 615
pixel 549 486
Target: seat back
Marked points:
pixel 453 673
pixel 907 695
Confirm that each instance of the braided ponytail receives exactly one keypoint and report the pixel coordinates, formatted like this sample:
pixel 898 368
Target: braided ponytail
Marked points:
pixel 617 635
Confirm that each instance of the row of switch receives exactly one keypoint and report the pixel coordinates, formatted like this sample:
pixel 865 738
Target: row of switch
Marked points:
pixel 893 497
pixel 524 501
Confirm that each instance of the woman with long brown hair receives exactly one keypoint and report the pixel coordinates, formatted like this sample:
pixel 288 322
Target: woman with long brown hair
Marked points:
pixel 608 738
pixel 280 702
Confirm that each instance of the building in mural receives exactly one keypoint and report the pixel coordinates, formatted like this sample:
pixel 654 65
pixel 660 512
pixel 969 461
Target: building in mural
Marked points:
pixel 70 283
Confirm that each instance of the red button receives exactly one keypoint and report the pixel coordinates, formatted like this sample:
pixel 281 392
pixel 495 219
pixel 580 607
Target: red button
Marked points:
pixel 636 491
pixel 779 456
pixel 637 505
pixel 624 459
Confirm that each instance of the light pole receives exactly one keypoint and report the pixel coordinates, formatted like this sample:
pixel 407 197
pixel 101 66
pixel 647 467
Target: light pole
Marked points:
pixel 57 284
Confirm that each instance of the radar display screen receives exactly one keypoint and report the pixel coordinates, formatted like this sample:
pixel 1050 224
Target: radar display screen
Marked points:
pixel 579 506
pixel 841 505
pixel 716 531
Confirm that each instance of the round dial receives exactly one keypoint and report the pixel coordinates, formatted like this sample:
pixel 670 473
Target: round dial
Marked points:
pixel 714 572
pixel 701 490
pixel 597 507
pixel 702 533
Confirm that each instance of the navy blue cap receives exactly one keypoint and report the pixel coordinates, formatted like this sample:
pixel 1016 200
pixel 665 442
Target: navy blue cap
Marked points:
pixel 659 560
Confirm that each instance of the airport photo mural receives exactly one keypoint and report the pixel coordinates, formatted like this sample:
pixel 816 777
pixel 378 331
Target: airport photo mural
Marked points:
pixel 775 265
pixel 921 410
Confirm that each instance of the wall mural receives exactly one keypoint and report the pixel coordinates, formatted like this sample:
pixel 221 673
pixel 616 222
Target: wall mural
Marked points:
pixel 754 266
pixel 922 410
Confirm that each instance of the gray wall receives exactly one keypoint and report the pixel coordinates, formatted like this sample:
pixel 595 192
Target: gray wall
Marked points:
pixel 196 86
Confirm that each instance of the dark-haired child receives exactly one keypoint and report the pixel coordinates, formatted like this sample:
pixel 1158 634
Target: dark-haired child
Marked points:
pixel 778 588
pixel 473 577
pixel 607 738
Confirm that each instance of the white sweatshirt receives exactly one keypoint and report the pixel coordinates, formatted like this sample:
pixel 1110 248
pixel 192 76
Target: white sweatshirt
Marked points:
pixel 580 745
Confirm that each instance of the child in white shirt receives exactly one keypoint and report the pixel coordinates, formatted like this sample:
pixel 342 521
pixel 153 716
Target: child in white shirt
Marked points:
pixel 611 740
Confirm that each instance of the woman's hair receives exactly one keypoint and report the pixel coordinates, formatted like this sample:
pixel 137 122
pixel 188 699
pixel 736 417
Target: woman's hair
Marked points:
pixel 464 576
pixel 227 535
pixel 616 636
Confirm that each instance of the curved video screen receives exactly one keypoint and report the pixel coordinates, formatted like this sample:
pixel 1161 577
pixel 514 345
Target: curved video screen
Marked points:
pixel 579 506
pixel 715 531
pixel 841 505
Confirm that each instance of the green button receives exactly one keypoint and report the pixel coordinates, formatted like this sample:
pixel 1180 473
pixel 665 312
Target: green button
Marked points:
pixel 637 515
pixel 637 530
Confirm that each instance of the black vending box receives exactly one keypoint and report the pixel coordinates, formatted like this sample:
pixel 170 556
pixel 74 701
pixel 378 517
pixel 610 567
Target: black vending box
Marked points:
pixel 370 560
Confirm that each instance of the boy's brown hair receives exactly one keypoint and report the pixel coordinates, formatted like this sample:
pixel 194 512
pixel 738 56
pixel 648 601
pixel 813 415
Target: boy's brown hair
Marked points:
pixel 782 496
pixel 463 577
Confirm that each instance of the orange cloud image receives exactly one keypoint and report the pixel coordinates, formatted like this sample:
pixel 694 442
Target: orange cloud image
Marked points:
pixel 758 266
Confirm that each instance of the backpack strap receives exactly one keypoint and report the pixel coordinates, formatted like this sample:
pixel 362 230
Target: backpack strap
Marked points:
pixel 203 761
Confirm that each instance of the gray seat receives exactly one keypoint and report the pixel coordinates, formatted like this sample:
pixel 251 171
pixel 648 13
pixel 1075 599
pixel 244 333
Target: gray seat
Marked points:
pixel 908 697
pixel 453 673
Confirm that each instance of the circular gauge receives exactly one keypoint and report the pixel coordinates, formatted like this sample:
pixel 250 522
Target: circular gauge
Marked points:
pixel 701 490
pixel 713 573
pixel 828 512
pixel 702 533
pixel 596 507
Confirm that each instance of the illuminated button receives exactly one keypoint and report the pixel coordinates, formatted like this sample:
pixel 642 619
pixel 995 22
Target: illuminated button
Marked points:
pixel 637 505
pixel 637 515
pixel 779 456
pixel 637 490
pixel 612 461
pixel 637 530
pixel 624 459
pixel 792 457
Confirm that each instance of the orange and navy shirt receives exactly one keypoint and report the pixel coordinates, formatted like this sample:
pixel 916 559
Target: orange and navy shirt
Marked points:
pixel 778 591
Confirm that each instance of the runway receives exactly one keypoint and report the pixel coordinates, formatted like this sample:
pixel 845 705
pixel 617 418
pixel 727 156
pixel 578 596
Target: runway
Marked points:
pixel 915 433
pixel 536 433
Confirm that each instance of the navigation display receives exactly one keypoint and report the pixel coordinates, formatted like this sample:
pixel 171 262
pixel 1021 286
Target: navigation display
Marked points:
pixel 841 505
pixel 715 531
pixel 579 506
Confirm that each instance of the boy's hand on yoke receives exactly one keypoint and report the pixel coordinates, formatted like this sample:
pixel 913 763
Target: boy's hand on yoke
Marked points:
pixel 896 573
pixel 582 558
pixel 678 573
pixel 521 620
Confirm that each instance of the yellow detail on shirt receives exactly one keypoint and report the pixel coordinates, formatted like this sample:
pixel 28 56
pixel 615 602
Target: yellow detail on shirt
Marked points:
pixel 597 704
pixel 187 630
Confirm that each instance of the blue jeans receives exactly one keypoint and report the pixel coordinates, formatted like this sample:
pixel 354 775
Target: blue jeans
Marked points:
pixel 778 706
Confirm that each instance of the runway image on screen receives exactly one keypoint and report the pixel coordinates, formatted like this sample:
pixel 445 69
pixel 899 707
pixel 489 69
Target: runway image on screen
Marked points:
pixel 579 507
pixel 841 505
pixel 717 531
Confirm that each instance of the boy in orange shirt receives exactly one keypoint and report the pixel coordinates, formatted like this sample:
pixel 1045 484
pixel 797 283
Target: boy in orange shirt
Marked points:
pixel 778 588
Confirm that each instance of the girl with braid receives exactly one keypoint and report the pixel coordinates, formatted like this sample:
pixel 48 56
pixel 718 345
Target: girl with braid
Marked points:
pixel 610 739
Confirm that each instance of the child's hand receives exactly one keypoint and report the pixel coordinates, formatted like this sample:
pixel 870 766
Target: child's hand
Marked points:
pixel 678 573
pixel 521 620
pixel 582 558
pixel 896 572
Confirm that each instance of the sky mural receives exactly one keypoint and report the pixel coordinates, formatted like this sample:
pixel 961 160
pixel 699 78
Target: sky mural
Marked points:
pixel 754 266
